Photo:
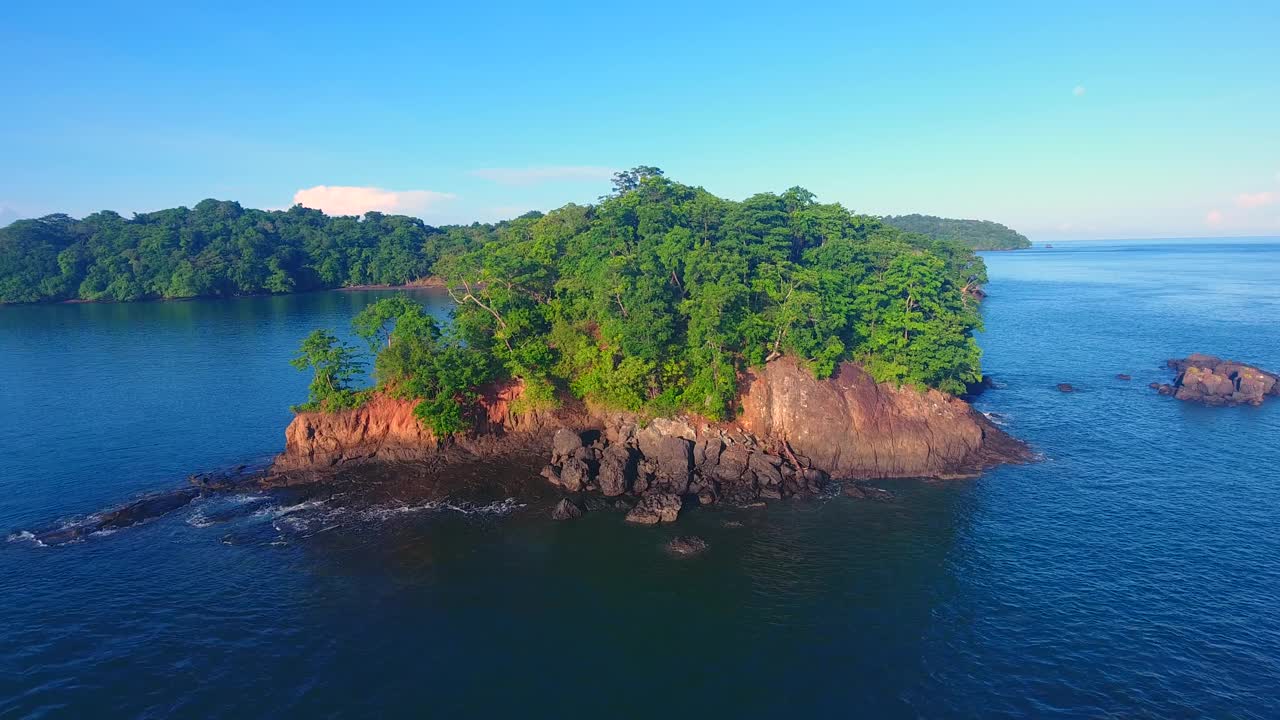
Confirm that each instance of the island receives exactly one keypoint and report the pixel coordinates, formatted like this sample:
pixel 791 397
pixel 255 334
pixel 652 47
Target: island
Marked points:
pixel 977 234
pixel 667 348
pixel 220 249
pixel 1210 380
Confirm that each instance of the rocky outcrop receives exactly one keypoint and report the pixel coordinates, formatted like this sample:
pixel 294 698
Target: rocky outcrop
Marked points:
pixel 853 427
pixel 1213 381
pixel 793 434
pixel 385 429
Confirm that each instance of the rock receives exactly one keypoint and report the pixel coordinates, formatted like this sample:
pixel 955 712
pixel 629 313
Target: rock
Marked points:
pixel 574 474
pixel 766 471
pixel 732 524
pixel 1066 387
pixel 853 427
pixel 136 512
pixel 566 509
pixel 974 389
pixel 686 546
pixel 671 458
pixel 564 444
pixel 551 474
pixel 1210 380
pixel 617 471
pixel 866 492
pixel 1123 376
pixel 655 508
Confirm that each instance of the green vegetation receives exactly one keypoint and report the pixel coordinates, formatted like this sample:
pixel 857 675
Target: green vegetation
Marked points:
pixel 658 298
pixel 215 249
pixel 335 366
pixel 977 234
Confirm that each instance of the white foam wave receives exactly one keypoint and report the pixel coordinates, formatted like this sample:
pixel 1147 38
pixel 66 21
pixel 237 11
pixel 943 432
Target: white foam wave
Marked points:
pixel 275 511
pixel 26 536
pixel 1000 419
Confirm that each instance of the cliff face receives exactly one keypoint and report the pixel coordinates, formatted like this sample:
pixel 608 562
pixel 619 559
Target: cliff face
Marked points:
pixel 385 429
pixel 853 427
pixel 848 426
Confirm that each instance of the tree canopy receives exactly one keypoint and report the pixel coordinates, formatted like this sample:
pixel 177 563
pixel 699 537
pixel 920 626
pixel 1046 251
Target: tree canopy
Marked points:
pixel 977 234
pixel 216 249
pixel 661 296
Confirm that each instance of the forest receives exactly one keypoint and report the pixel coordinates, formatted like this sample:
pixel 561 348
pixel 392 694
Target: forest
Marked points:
pixel 977 234
pixel 658 298
pixel 216 249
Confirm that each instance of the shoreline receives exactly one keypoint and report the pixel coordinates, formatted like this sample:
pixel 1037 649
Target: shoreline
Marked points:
pixel 428 282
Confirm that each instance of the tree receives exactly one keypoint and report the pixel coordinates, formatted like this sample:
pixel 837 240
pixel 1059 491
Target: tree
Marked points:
pixel 627 180
pixel 334 365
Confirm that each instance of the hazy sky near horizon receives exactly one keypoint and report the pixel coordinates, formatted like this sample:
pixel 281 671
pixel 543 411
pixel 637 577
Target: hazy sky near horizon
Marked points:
pixel 1081 120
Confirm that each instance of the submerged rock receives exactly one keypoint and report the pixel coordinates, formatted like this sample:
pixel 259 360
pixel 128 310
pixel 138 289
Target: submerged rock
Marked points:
pixel 136 512
pixel 866 492
pixel 1066 387
pixel 686 546
pixel 1123 376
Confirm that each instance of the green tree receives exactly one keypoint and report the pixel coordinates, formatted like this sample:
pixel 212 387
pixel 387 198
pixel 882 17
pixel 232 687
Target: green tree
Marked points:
pixel 334 365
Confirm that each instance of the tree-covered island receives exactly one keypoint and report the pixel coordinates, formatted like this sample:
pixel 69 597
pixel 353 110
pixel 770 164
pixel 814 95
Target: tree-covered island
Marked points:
pixel 658 298
pixel 977 234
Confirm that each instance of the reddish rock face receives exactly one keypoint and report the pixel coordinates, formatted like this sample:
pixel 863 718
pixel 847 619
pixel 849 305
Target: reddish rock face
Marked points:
pixel 848 425
pixel 386 429
pixel 853 427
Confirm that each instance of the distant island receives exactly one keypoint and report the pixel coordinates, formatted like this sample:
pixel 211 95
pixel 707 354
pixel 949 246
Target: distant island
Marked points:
pixel 977 234
pixel 710 347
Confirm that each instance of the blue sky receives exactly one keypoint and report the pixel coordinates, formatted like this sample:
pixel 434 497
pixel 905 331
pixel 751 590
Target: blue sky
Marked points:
pixel 1080 120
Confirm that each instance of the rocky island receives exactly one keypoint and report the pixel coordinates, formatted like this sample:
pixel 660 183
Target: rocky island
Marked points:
pixel 1213 381
pixel 668 348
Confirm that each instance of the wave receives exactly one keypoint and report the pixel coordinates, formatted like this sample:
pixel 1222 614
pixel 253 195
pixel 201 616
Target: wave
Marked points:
pixel 26 536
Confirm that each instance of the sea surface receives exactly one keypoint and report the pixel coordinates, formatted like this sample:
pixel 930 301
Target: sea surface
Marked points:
pixel 1133 572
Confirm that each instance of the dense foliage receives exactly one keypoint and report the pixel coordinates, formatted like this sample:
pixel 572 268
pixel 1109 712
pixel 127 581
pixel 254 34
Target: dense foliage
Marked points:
pixel 215 249
pixel 658 299
pixel 977 234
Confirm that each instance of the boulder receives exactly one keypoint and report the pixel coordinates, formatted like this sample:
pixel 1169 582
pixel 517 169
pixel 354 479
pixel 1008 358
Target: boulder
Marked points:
pixel 551 474
pixel 564 444
pixel 617 471
pixel 655 508
pixel 670 457
pixel 574 474
pixel 566 509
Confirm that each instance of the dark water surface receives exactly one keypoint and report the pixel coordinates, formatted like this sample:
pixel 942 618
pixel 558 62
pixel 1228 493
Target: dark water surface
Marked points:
pixel 1135 572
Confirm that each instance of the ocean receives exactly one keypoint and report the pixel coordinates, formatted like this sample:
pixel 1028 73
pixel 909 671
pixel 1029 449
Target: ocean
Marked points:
pixel 1133 571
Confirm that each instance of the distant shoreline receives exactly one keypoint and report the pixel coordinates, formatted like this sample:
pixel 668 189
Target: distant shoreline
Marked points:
pixel 431 281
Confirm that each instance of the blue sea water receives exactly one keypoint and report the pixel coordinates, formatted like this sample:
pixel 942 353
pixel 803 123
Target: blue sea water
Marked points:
pixel 1133 572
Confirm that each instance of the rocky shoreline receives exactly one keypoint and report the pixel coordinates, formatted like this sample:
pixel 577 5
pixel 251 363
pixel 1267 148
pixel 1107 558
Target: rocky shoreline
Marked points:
pixel 793 436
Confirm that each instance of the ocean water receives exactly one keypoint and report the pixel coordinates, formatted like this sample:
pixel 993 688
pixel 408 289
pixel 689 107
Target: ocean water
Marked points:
pixel 1133 572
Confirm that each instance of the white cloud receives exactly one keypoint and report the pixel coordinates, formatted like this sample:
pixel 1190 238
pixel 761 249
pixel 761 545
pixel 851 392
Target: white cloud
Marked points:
pixel 1078 90
pixel 1214 217
pixel 1255 200
pixel 347 200
pixel 549 173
